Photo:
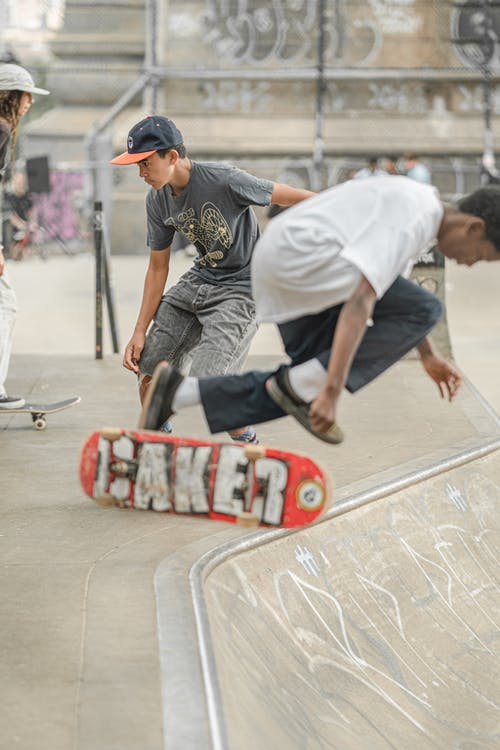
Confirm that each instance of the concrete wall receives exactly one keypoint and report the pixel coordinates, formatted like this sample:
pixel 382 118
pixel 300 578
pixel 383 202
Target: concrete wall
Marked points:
pixel 240 83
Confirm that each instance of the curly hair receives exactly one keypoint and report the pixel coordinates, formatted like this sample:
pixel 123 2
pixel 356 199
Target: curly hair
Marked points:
pixel 10 101
pixel 485 203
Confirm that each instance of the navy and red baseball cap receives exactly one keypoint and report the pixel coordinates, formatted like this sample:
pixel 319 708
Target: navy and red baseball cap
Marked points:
pixel 154 133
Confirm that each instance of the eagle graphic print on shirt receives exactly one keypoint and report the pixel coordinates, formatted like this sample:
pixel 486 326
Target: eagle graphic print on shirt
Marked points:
pixel 209 230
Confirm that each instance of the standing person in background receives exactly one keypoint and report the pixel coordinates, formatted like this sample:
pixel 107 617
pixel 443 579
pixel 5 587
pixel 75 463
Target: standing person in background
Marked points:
pixel 206 321
pixel 372 169
pixel 390 165
pixel 16 97
pixel 416 170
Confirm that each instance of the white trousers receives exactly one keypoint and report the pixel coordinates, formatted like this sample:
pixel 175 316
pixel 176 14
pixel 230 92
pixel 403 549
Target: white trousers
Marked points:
pixel 8 308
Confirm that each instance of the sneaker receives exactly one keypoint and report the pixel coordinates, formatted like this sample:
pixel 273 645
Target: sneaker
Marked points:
pixel 249 436
pixel 279 388
pixel 11 402
pixel 157 407
pixel 167 427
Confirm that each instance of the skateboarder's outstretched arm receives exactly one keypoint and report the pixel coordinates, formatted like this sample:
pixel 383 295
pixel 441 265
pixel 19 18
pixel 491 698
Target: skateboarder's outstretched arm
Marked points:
pixel 154 285
pixel 285 195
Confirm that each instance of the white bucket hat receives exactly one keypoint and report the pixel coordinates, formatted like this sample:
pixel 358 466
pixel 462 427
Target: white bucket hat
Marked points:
pixel 15 78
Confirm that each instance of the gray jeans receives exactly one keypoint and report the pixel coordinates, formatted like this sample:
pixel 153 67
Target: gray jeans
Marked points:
pixel 202 329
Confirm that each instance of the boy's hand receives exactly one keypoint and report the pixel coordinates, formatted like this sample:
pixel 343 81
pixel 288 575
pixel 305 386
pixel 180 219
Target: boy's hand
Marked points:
pixel 323 411
pixel 133 352
pixel 444 374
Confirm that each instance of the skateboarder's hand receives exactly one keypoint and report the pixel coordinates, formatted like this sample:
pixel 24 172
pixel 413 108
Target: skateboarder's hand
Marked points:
pixel 444 374
pixel 2 261
pixel 322 412
pixel 133 352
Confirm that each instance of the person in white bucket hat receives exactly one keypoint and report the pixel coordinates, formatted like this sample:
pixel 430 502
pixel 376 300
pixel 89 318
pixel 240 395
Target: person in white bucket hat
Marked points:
pixel 15 78
pixel 16 97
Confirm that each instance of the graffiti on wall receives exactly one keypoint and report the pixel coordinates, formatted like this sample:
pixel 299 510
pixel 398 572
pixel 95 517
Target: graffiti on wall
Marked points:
pixel 252 32
pixel 236 96
pixel 476 35
pixel 396 16
pixel 396 97
pixel 256 32
pixel 472 99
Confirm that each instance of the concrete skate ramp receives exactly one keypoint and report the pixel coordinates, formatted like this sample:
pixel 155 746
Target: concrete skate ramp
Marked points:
pixel 375 629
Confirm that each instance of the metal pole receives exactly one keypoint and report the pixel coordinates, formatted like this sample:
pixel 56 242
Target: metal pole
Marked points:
pixel 109 291
pixel 98 277
pixel 318 153
pixel 489 171
pixel 339 30
pixel 488 162
pixel 151 55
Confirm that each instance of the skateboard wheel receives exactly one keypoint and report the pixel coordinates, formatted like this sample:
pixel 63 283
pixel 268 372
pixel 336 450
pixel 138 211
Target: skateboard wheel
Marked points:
pixel 105 501
pixel 246 519
pixel 253 452
pixel 111 433
pixel 40 423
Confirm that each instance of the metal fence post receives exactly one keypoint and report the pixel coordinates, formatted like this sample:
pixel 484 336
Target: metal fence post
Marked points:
pixel 98 277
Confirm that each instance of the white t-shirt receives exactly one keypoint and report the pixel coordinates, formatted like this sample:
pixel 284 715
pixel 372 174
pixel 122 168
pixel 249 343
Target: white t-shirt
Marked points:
pixel 313 255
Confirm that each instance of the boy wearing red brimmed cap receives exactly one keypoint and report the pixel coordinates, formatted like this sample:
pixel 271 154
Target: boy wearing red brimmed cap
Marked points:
pixel 208 318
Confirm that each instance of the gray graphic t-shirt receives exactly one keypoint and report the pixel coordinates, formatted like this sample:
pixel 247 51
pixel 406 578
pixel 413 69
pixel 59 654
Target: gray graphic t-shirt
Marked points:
pixel 213 212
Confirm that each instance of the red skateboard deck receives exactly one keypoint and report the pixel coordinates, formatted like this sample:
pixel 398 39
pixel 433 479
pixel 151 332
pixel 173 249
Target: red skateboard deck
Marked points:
pixel 248 484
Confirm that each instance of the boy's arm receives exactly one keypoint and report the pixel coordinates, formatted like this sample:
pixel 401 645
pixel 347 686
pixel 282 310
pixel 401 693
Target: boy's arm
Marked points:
pixel 154 285
pixel 349 331
pixel 285 195
pixel 446 376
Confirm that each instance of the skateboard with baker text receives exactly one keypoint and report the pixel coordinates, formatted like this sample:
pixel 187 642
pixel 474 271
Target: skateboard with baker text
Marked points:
pixel 248 484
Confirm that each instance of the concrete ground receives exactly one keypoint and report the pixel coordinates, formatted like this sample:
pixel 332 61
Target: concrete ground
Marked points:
pixel 79 650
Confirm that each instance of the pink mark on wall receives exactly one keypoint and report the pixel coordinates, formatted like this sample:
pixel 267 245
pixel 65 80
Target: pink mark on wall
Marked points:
pixel 58 211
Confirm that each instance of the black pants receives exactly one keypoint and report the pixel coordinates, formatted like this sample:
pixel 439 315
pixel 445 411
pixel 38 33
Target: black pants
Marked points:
pixel 401 319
